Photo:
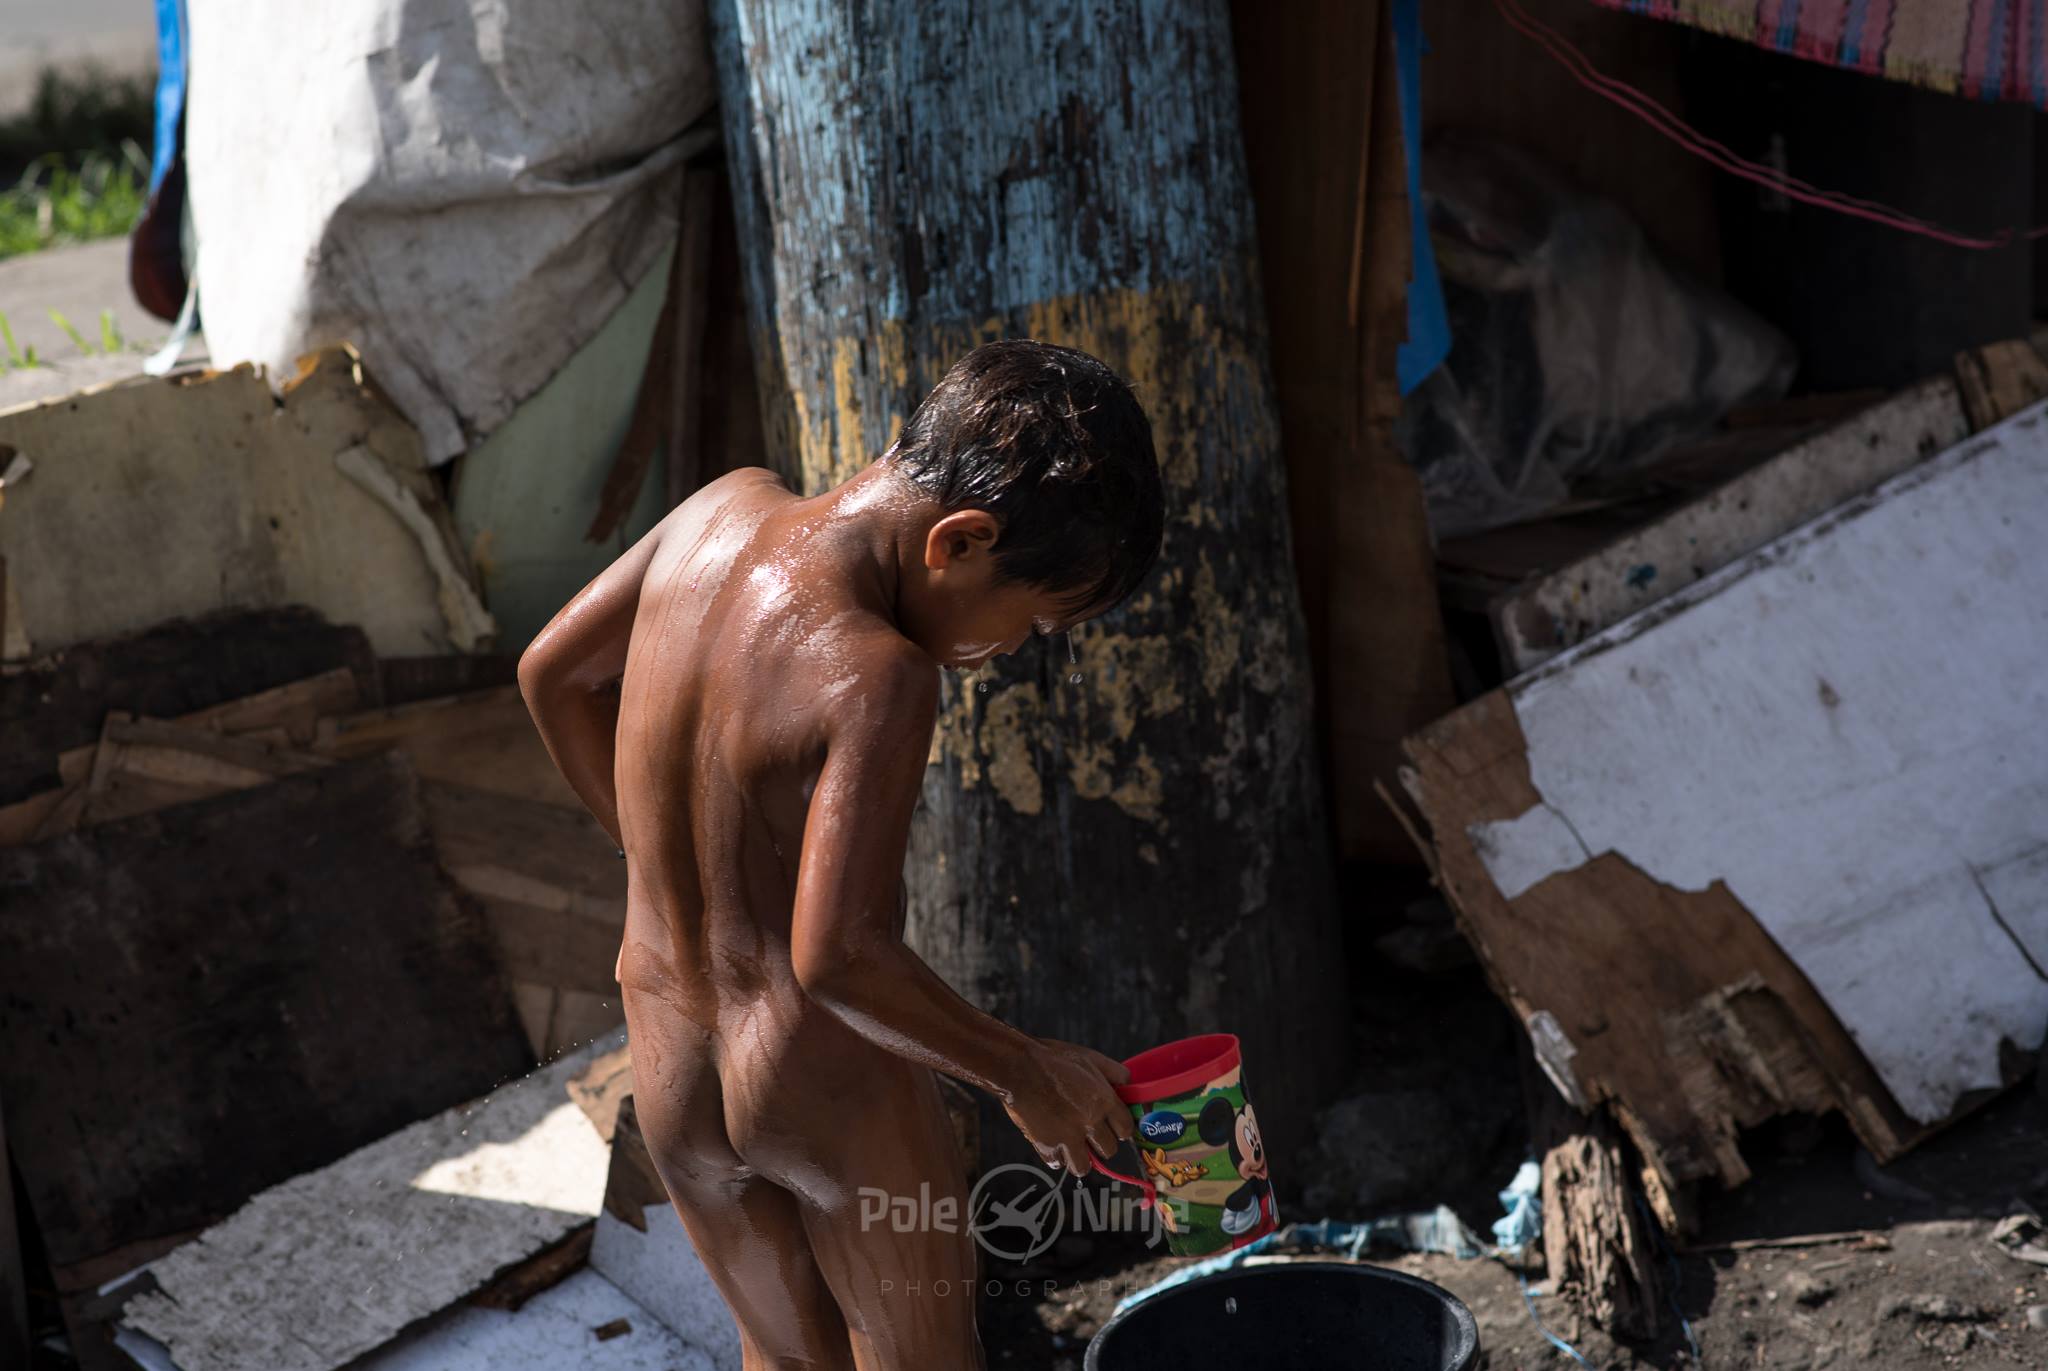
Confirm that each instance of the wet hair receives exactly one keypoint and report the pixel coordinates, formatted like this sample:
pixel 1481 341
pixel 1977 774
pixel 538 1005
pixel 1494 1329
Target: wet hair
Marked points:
pixel 1055 446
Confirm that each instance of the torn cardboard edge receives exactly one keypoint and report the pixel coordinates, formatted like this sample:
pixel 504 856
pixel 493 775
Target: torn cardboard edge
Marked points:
pixel 1686 1040
pixel 239 466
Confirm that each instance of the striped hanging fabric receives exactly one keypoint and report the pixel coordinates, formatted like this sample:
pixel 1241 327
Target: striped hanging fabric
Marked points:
pixel 1984 49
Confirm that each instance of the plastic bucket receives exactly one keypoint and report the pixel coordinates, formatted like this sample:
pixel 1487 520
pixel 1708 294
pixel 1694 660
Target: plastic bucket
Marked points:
pixel 1293 1315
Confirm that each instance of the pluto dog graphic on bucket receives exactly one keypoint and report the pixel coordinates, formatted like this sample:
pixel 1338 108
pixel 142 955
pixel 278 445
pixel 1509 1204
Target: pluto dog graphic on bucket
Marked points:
pixel 1198 1154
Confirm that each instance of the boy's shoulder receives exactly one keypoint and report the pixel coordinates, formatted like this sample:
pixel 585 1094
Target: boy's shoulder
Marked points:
pixel 738 482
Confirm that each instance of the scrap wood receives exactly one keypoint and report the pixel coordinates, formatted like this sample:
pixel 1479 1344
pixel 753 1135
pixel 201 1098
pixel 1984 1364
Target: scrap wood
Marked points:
pixel 2022 1236
pixel 145 764
pixel 232 499
pixel 484 740
pixel 250 739
pixel 181 670
pixel 554 896
pixel 544 1270
pixel 470 625
pixel 1999 380
pixel 1595 1239
pixel 331 1264
pixel 1603 954
pixel 232 979
pixel 1704 952
pixel 1593 591
pixel 1871 1239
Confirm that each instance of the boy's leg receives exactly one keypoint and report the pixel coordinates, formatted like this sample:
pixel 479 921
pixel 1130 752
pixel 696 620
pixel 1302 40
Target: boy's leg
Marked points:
pixel 747 1229
pixel 908 1296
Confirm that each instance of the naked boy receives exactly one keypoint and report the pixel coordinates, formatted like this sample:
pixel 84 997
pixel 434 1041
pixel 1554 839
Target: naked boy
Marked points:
pixel 745 700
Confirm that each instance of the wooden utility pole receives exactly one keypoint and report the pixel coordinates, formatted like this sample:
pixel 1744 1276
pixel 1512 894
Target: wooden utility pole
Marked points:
pixel 1141 852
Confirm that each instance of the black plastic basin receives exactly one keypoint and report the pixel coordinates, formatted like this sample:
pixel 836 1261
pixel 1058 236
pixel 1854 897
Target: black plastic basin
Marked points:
pixel 1293 1315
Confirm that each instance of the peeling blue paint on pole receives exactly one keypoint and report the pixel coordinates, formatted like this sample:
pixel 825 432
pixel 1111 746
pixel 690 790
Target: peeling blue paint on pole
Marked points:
pixel 915 178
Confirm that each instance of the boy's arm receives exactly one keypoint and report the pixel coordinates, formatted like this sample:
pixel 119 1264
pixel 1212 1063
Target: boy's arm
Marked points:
pixel 851 959
pixel 567 672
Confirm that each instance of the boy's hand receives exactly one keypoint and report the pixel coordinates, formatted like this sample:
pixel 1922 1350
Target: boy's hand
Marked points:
pixel 1067 1109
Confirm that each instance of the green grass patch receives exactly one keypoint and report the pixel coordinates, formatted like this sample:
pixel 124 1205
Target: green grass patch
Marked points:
pixel 55 203
pixel 72 162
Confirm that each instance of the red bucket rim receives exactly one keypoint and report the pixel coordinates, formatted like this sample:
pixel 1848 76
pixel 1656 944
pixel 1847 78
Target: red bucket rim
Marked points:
pixel 1160 1073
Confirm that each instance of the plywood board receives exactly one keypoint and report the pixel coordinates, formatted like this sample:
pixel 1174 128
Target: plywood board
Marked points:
pixel 1818 773
pixel 262 980
pixel 547 878
pixel 1605 968
pixel 219 496
pixel 335 1263
pixel 485 740
pixel 1578 600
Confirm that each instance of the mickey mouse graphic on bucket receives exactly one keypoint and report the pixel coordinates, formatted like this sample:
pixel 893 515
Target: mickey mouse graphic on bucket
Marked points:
pixel 1198 1154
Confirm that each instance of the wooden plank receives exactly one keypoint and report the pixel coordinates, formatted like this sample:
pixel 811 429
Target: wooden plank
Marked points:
pixel 1775 844
pixel 545 1269
pixel 233 979
pixel 1577 601
pixel 632 1185
pixel 406 679
pixel 484 740
pixel 1999 380
pixel 56 704
pixel 333 1263
pixel 146 764
pixel 1611 959
pixel 271 718
pixel 552 891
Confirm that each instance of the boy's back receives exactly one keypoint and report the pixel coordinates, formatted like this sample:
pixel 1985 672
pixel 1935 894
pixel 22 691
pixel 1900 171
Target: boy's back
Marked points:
pixel 776 666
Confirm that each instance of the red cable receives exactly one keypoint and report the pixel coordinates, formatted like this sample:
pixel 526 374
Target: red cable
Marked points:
pixel 1635 102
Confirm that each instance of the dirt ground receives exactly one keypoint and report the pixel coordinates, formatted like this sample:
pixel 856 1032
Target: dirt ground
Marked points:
pixel 1923 1288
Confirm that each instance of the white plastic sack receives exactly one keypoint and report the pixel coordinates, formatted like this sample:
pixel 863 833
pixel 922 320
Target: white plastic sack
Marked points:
pixel 465 189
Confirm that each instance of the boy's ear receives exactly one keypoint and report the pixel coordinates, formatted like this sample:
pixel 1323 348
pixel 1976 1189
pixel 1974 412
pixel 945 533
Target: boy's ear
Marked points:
pixel 962 536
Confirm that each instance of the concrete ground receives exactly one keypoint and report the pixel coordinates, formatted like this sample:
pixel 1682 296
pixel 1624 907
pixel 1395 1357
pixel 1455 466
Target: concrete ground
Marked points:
pixel 77 282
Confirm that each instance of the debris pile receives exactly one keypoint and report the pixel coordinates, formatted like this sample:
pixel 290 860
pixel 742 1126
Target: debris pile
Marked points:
pixel 1753 828
pixel 296 901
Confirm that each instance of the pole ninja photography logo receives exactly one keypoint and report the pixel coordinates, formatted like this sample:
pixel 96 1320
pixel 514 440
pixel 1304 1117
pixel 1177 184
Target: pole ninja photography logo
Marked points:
pixel 1017 1211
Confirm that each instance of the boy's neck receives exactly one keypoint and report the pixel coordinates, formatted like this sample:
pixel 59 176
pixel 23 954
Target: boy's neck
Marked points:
pixel 877 525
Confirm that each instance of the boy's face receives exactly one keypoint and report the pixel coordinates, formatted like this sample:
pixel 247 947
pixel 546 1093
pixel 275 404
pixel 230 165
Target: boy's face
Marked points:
pixel 967 614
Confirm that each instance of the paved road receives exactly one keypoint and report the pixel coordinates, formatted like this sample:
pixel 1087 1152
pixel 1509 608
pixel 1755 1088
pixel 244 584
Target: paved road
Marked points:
pixel 116 35
pixel 78 283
